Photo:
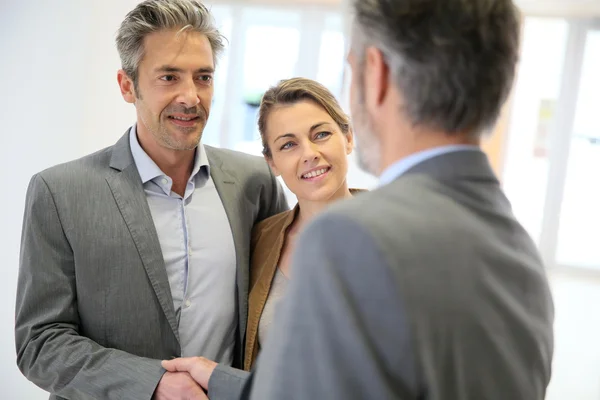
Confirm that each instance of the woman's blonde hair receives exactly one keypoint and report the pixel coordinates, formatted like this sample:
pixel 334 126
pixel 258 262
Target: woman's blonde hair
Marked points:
pixel 295 90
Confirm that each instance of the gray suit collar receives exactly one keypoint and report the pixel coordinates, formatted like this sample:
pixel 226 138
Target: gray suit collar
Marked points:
pixel 122 158
pixel 460 165
pixel 121 153
pixel 219 170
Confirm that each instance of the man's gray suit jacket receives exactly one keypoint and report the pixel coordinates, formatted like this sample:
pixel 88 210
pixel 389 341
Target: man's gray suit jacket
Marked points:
pixel 94 312
pixel 426 288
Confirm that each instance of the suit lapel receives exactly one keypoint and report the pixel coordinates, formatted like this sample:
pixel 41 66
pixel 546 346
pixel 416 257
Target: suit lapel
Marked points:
pixel 128 191
pixel 237 210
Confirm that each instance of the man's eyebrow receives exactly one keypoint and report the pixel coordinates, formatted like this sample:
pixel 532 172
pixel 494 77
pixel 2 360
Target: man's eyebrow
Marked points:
pixel 170 68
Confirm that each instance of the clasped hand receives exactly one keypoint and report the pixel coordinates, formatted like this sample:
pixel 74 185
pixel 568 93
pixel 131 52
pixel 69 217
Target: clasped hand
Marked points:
pixel 185 378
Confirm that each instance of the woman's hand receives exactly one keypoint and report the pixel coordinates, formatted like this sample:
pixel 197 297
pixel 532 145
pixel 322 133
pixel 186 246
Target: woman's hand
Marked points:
pixel 199 368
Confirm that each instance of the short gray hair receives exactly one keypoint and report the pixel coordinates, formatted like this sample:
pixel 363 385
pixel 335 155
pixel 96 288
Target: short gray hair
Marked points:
pixel 155 15
pixel 453 61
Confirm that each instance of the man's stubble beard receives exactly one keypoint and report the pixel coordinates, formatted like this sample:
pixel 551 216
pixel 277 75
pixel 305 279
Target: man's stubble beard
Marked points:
pixel 368 145
pixel 169 142
pixel 161 132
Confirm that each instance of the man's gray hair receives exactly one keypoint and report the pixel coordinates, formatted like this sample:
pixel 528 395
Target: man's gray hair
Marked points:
pixel 453 61
pixel 155 15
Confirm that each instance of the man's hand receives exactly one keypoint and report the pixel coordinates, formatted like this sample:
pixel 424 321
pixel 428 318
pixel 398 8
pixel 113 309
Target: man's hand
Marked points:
pixel 178 386
pixel 199 368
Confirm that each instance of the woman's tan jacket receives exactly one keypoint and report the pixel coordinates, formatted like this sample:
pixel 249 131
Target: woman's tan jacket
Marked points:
pixel 268 238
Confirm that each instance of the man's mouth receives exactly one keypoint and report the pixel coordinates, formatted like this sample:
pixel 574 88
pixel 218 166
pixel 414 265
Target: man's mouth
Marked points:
pixel 185 121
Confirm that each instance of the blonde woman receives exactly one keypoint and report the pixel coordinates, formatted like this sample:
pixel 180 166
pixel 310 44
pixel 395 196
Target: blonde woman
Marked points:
pixel 306 140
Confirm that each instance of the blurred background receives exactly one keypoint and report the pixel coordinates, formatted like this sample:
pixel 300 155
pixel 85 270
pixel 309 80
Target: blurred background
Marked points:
pixel 59 100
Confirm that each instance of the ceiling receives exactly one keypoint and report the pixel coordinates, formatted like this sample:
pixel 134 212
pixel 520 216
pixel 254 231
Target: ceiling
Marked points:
pixel 565 8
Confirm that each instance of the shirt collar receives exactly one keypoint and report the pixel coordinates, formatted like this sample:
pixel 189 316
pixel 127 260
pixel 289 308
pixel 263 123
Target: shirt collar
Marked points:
pixel 148 169
pixel 400 167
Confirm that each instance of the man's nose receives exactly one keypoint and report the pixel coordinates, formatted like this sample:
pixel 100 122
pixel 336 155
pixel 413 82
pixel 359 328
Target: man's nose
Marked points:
pixel 188 95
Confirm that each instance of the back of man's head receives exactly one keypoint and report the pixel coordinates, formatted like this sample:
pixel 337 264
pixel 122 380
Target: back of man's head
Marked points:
pixel 453 61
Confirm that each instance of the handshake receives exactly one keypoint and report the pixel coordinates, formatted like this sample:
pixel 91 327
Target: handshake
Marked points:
pixel 186 378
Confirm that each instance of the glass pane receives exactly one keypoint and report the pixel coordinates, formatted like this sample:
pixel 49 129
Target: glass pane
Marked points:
pixel 579 227
pixel 262 69
pixel 271 46
pixel 331 56
pixel 536 91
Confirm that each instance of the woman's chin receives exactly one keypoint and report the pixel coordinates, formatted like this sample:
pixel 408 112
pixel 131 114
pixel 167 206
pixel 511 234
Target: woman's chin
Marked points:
pixel 323 194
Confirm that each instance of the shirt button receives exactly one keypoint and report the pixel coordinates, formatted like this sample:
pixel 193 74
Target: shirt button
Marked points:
pixel 188 303
pixel 165 181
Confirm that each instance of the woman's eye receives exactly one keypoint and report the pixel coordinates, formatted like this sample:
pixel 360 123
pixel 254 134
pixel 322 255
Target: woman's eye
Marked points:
pixel 286 146
pixel 322 135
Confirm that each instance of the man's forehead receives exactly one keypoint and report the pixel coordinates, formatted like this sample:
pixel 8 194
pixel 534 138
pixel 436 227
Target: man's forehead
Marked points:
pixel 173 39
pixel 175 49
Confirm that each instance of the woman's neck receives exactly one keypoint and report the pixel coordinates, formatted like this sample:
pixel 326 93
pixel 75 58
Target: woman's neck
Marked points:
pixel 309 209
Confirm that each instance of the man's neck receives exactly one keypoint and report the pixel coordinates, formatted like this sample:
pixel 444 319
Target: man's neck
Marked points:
pixel 395 147
pixel 176 164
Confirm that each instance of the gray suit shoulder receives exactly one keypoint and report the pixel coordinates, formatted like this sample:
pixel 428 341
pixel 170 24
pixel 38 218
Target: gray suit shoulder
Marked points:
pixel 417 221
pixel 418 209
pixel 239 161
pixel 79 168
pixel 384 207
pixel 254 177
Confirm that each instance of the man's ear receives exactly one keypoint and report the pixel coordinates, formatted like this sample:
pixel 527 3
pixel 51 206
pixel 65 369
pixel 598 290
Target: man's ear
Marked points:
pixel 376 79
pixel 127 87
pixel 269 160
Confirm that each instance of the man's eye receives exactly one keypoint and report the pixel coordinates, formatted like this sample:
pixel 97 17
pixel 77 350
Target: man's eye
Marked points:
pixel 205 78
pixel 167 78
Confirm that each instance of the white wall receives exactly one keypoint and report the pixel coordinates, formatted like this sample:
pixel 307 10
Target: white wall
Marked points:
pixel 41 107
pixel 54 106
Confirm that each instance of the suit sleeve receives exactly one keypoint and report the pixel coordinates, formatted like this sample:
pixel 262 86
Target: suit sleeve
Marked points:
pixel 51 352
pixel 342 330
pixel 227 383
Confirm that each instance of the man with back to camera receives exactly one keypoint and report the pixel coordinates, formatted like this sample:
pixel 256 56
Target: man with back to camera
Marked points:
pixel 140 252
pixel 427 287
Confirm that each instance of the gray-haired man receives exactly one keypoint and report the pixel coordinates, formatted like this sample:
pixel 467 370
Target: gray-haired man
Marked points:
pixel 140 251
pixel 426 288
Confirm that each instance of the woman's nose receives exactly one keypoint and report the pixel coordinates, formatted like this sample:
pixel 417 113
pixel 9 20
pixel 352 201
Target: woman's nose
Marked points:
pixel 310 154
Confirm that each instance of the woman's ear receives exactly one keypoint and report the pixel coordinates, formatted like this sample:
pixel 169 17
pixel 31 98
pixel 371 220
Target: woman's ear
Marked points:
pixel 269 160
pixel 349 141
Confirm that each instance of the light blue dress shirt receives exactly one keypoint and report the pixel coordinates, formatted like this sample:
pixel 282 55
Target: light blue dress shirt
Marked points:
pixel 400 167
pixel 197 246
